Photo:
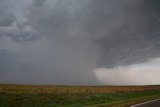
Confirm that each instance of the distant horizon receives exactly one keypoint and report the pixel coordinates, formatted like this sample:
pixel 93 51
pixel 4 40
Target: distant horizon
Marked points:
pixel 77 85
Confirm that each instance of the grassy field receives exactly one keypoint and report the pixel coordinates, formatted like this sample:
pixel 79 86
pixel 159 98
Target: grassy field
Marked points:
pixel 12 95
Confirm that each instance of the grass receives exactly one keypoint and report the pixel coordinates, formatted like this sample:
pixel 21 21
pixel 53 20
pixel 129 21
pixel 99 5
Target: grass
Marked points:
pixel 128 102
pixel 12 95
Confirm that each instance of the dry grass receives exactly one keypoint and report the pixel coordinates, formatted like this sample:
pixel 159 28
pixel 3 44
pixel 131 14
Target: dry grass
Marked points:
pixel 71 89
pixel 14 95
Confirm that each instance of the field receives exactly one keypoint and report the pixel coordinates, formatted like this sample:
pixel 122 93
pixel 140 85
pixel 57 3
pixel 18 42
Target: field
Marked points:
pixel 12 95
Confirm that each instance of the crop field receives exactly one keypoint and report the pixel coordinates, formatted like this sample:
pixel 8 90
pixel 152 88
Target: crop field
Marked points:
pixel 14 95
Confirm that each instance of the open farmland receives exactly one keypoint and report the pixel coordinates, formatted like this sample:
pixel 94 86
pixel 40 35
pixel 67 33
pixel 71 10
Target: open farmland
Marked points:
pixel 12 95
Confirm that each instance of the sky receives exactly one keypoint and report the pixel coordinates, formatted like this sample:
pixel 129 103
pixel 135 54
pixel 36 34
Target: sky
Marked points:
pixel 75 42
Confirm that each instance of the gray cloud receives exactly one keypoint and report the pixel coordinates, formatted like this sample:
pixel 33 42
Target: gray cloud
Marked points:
pixel 39 2
pixel 65 40
pixel 19 35
pixel 126 31
pixel 7 17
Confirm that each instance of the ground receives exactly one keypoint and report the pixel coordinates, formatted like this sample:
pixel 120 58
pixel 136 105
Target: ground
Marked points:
pixel 14 95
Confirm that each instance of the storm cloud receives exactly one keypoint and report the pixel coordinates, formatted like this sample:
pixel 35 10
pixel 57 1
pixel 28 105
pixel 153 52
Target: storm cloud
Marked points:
pixel 7 17
pixel 65 41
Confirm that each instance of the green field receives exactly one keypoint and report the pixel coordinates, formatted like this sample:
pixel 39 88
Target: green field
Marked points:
pixel 12 95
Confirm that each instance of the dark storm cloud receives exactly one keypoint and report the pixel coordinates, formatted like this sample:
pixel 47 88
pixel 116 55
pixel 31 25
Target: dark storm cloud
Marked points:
pixel 64 41
pixel 6 16
pixel 39 2
pixel 124 32
pixel 127 32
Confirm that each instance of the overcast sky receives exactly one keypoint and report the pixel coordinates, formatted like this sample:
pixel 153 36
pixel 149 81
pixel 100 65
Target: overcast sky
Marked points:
pixel 80 42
